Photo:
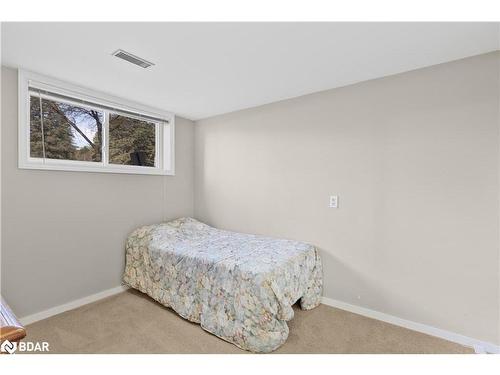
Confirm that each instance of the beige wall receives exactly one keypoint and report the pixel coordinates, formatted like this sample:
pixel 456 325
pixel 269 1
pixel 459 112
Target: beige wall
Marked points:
pixel 63 233
pixel 414 160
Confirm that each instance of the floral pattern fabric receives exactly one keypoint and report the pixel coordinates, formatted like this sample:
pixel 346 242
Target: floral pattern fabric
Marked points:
pixel 240 287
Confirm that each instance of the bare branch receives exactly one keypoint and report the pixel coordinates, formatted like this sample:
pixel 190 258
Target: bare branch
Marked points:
pixel 73 125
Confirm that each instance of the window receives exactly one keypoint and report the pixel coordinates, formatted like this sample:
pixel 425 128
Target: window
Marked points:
pixel 67 128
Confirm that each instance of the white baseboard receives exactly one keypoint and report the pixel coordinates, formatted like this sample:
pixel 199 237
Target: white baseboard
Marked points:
pixel 478 345
pixel 71 305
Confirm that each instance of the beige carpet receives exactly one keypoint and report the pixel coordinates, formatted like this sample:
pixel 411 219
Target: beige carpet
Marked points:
pixel 131 322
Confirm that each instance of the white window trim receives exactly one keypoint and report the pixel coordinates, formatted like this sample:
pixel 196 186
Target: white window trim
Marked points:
pixel 165 132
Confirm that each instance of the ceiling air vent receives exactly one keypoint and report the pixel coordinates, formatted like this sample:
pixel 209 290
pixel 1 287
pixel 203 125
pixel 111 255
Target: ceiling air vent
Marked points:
pixel 132 58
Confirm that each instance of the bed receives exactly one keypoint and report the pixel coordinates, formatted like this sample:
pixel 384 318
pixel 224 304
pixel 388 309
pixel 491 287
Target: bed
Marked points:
pixel 239 287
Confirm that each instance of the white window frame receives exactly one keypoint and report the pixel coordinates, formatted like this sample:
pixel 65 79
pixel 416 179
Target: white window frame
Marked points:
pixel 165 131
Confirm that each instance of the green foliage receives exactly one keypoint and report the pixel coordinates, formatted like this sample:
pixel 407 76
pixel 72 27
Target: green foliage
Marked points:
pixel 36 148
pixel 58 136
pixel 126 136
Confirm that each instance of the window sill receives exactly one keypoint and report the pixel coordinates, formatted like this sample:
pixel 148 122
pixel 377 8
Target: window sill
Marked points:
pixel 88 167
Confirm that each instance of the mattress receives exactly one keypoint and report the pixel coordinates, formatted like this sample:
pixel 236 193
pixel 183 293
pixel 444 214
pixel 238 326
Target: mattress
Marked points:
pixel 239 287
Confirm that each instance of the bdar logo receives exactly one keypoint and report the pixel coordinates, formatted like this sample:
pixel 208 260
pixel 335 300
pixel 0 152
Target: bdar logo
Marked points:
pixel 24 346
pixel 8 347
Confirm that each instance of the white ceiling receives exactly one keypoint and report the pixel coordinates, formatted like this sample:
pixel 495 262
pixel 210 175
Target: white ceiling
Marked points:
pixel 205 69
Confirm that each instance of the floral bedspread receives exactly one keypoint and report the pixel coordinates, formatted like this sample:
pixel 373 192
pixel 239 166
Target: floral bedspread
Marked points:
pixel 240 287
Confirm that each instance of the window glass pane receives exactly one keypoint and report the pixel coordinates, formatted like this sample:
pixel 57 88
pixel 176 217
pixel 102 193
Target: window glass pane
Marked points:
pixel 36 148
pixel 131 141
pixel 70 132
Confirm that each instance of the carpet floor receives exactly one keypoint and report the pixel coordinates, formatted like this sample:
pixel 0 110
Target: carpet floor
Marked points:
pixel 131 322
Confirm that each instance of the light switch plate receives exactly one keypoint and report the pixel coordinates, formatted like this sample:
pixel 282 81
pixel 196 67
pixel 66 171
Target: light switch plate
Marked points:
pixel 334 201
